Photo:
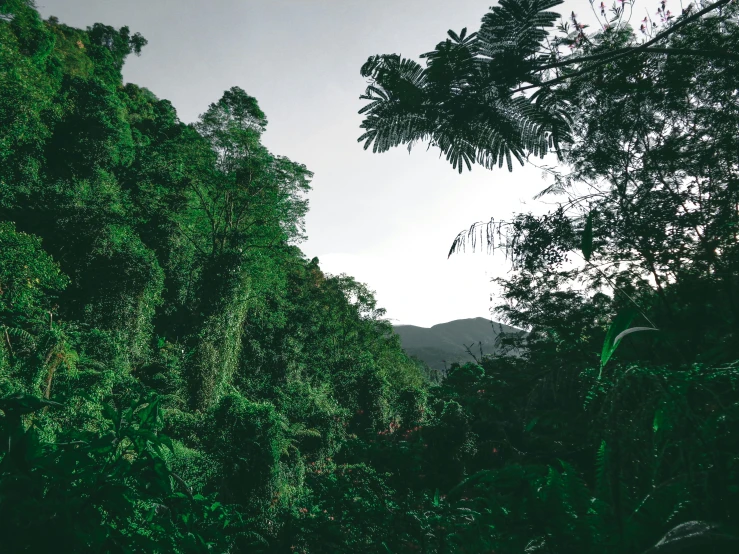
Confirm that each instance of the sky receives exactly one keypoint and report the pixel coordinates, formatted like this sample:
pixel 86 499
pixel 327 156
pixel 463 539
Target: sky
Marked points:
pixel 386 219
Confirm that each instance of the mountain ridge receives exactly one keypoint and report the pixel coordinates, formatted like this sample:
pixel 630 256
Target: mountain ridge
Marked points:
pixel 445 343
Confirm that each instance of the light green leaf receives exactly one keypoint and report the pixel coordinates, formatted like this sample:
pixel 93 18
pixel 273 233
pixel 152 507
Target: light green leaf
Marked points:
pixel 166 441
pixel 620 323
pixel 622 334
pixel 617 331
pixel 657 422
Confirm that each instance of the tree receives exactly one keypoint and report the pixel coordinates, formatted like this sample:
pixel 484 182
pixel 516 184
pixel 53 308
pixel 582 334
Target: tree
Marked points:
pixel 653 150
pixel 150 280
pixel 609 458
pixel 470 100
pixel 248 203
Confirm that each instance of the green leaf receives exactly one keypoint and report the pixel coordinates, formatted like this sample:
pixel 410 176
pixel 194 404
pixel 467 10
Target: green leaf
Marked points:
pixel 20 404
pixel 148 415
pixel 166 441
pixel 600 467
pixel 657 422
pixel 110 413
pixel 622 334
pixel 620 323
pixel 475 477
pixel 587 238
pixel 617 331
pixel 436 498
pixel 146 435
pixel 104 443
pixel 127 415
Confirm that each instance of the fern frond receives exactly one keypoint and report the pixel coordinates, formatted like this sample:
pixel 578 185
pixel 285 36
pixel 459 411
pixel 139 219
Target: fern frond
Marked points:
pixel 20 333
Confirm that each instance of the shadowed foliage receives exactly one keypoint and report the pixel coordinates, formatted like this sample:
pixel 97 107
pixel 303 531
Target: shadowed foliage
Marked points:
pixel 177 377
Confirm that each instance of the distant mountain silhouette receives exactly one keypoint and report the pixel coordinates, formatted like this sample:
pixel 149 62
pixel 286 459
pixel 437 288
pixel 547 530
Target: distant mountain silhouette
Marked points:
pixel 446 342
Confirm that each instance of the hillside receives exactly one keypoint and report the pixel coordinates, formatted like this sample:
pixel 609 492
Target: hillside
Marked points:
pixel 177 376
pixel 445 342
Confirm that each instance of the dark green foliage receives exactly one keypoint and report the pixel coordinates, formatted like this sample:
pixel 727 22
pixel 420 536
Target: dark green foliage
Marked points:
pixel 351 509
pixel 150 280
pixel 29 276
pixel 470 99
pixel 176 376
pixel 120 288
pixel 104 491
pixel 109 48
pixel 573 445
pixel 247 443
pixel 94 134
pixel 463 101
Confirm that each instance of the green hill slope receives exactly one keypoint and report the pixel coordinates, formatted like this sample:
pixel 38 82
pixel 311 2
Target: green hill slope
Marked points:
pixel 443 344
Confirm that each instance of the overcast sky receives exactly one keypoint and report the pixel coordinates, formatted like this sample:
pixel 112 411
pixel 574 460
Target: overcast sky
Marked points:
pixel 386 219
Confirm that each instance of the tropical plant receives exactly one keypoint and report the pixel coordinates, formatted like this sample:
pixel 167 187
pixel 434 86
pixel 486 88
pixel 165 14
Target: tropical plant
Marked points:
pixel 471 99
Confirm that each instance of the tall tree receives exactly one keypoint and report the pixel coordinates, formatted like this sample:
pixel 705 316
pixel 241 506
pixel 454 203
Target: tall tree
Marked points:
pixel 246 204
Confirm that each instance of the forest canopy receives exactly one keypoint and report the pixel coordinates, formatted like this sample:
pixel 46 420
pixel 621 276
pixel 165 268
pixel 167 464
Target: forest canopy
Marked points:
pixel 177 376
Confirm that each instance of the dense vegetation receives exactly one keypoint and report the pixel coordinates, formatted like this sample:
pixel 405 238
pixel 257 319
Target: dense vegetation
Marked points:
pixel 176 376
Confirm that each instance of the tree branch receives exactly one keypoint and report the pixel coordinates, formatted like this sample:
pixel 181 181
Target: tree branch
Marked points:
pixel 623 51
pixel 631 50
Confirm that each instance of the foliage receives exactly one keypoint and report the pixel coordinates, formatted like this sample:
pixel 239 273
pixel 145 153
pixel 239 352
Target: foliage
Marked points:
pixel 470 100
pixel 164 340
pixel 176 376
pixel 108 490
pixel 583 457
pixel 462 101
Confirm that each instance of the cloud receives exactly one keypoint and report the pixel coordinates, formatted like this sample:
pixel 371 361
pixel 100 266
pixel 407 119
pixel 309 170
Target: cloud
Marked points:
pixel 418 289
